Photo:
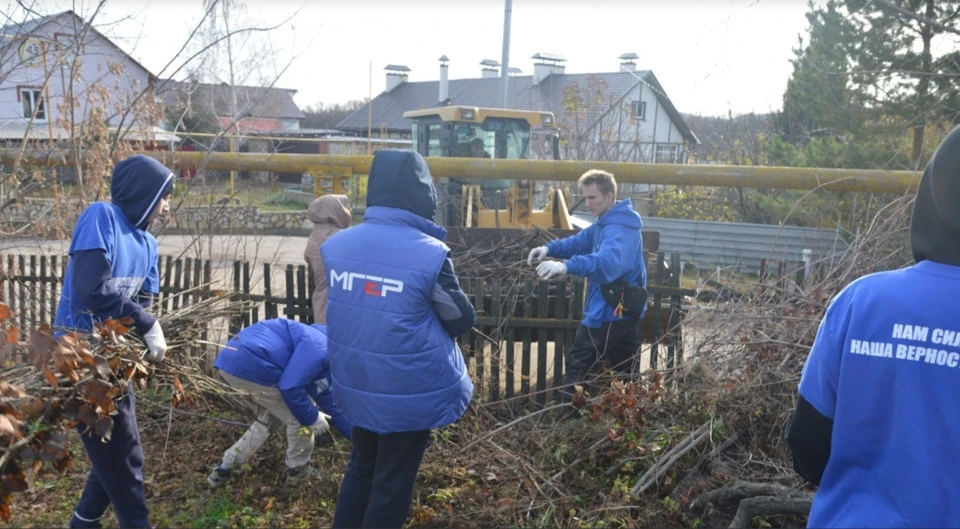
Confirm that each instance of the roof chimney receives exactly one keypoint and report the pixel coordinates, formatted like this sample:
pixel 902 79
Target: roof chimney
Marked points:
pixel 626 62
pixel 490 69
pixel 396 75
pixel 444 79
pixel 514 71
pixel 550 63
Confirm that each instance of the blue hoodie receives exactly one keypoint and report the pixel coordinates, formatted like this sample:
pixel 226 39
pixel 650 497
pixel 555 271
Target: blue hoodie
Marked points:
pixel 290 356
pixel 609 249
pixel 112 270
pixel 395 307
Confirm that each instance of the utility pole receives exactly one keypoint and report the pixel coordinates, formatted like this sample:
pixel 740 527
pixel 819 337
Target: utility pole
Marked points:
pixel 505 58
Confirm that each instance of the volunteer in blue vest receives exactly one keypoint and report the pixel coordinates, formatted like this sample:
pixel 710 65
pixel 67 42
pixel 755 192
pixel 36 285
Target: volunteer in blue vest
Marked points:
pixel 877 425
pixel 282 364
pixel 609 253
pixel 112 273
pixel 395 309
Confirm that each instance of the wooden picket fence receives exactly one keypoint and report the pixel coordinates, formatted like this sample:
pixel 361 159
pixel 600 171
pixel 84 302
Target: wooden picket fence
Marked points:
pixel 524 327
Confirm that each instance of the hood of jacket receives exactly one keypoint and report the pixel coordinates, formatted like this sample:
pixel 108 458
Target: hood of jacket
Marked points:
pixel 935 226
pixel 137 185
pixel 400 179
pixel 330 209
pixel 621 214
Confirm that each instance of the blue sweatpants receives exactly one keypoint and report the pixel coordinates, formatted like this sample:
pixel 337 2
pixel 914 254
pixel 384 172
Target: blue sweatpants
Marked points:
pixel 116 473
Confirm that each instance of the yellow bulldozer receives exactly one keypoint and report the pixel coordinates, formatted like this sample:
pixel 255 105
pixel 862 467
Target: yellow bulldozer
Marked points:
pixel 480 211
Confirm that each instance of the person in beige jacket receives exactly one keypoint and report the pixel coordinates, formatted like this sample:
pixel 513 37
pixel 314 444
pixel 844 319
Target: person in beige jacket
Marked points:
pixel 330 214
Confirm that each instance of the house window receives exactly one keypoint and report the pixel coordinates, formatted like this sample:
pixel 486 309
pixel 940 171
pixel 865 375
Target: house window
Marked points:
pixel 638 110
pixel 33 99
pixel 669 153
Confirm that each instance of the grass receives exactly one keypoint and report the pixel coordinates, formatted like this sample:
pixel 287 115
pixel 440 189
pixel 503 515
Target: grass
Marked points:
pixel 175 481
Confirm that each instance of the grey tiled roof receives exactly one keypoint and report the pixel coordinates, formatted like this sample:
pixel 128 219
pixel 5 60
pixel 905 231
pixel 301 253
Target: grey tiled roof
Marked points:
pixel 67 19
pixel 10 32
pixel 253 101
pixel 388 107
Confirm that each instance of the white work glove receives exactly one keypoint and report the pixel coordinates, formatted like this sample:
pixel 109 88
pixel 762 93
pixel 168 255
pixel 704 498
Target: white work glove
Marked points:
pixel 551 269
pixel 538 254
pixel 156 344
pixel 321 426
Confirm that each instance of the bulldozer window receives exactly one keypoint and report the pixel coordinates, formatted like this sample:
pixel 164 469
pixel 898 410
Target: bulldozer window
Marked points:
pixel 433 139
pixel 500 138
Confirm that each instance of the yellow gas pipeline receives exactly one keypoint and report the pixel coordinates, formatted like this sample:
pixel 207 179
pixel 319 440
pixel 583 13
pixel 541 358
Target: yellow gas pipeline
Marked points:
pixel 339 166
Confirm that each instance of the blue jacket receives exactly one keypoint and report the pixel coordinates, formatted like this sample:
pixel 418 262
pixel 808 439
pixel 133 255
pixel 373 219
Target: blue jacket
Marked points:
pixel 395 364
pixel 610 249
pixel 290 356
pixel 112 271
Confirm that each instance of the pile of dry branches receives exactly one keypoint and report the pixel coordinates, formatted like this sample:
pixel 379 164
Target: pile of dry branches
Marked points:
pixel 501 258
pixel 77 380
pixel 709 450
pixel 71 380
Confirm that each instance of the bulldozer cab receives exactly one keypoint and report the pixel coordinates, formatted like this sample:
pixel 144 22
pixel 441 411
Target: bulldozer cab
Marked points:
pixel 473 132
pixel 471 208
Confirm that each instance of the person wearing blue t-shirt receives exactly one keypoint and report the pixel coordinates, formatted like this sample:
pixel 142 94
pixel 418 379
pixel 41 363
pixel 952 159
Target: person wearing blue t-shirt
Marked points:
pixel 282 364
pixel 112 274
pixel 877 426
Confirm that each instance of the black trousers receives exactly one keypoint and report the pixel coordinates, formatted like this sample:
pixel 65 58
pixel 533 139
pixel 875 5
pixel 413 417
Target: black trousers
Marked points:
pixel 618 342
pixel 116 473
pixel 377 486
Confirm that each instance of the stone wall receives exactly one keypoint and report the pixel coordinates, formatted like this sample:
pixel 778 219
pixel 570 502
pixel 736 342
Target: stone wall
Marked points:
pixel 39 215
pixel 226 218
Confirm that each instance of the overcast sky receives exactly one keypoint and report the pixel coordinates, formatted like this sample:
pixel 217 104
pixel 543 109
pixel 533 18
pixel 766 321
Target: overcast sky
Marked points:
pixel 711 57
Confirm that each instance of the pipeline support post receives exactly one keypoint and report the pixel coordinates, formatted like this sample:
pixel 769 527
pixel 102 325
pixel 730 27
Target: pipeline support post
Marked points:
pixel 335 175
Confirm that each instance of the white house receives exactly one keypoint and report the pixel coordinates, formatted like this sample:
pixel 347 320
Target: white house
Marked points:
pixel 624 115
pixel 37 88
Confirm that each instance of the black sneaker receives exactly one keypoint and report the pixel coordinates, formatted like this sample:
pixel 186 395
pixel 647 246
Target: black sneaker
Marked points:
pixel 300 473
pixel 219 476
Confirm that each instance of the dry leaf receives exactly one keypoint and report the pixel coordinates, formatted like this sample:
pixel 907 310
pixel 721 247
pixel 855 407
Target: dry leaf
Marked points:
pixel 100 393
pixel 31 408
pixel 65 362
pixel 104 428
pixel 13 335
pixel 51 378
pixel 5 313
pixel 87 415
pixel 102 369
pixel 41 348
pixel 9 427
pixel 15 392
pixel 115 327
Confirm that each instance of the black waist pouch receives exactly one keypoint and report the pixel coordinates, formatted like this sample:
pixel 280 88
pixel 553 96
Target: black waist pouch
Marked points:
pixel 626 299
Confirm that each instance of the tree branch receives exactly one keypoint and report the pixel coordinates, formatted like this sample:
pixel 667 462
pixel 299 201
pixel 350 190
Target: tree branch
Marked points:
pixel 919 18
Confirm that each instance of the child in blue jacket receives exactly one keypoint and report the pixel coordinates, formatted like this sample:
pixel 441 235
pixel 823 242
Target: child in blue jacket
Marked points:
pixel 112 273
pixel 283 365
